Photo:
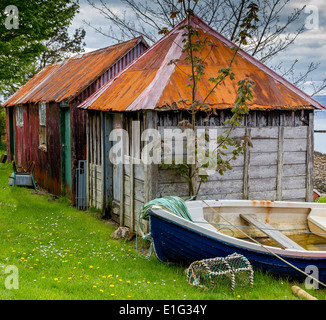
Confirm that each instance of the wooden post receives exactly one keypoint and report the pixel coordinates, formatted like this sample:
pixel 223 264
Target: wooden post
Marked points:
pixel 150 170
pixel 87 160
pixel 102 130
pixel 246 168
pixel 280 161
pixel 123 153
pixel 310 159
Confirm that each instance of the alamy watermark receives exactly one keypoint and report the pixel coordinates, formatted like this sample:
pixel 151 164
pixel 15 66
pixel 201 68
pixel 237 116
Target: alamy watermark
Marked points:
pixel 312 20
pixel 310 282
pixel 167 146
pixel 11 277
pixel 12 19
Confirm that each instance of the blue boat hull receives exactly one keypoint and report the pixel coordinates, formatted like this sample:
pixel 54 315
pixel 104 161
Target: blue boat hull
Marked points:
pixel 177 243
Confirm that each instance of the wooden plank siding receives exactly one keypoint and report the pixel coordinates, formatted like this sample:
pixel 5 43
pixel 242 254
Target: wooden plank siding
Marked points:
pixel 275 168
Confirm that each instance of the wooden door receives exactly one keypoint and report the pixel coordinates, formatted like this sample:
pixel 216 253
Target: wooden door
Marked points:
pixel 66 173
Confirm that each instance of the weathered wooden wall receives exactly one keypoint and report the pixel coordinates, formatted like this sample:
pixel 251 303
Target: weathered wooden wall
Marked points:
pixel 277 167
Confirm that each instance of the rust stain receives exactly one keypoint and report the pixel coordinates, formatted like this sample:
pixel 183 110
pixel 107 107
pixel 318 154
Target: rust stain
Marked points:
pixel 67 79
pixel 137 87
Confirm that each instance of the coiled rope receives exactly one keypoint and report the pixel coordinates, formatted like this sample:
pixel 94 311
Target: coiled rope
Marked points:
pixel 174 205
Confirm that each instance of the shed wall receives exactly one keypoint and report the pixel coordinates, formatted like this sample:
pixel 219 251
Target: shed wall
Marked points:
pixel 277 167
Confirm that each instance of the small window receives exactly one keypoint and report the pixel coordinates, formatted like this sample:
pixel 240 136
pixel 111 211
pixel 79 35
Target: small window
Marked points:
pixel 19 116
pixel 42 131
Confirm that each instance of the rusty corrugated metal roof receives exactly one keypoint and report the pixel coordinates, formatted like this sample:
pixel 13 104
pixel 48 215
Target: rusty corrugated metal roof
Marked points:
pixel 67 79
pixel 150 82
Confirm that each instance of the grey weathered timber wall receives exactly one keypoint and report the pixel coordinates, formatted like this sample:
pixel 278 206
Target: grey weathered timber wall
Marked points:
pixel 139 180
pixel 277 167
pixel 134 196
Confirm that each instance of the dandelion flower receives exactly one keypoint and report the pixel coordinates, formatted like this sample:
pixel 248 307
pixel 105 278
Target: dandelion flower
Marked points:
pixel 91 267
pixel 111 285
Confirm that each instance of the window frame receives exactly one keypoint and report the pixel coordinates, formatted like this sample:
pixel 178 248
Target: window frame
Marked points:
pixel 42 126
pixel 19 116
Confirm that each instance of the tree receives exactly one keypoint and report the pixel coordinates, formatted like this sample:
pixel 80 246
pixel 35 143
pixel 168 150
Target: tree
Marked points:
pixel 39 37
pixel 277 29
pixel 217 160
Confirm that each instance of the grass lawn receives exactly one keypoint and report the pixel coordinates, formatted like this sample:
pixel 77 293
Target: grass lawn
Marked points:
pixel 63 253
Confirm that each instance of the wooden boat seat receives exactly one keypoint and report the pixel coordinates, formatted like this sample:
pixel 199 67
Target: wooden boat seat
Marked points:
pixel 275 234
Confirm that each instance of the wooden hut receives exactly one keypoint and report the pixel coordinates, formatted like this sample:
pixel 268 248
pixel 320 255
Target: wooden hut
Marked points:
pixel 279 124
pixel 43 123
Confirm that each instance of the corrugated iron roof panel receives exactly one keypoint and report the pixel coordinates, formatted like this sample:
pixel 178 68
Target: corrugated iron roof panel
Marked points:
pixel 165 84
pixel 67 79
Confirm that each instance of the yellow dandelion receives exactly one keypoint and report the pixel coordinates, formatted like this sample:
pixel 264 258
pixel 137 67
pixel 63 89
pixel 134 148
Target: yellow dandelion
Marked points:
pixel 13 251
pixel 91 267
pixel 55 279
pixel 101 290
pixel 112 294
pixel 111 285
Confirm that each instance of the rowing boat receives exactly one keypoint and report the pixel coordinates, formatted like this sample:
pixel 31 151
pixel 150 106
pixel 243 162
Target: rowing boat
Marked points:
pixel 218 228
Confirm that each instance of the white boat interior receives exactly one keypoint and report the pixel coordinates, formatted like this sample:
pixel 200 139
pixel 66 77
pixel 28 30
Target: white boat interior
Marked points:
pixel 290 225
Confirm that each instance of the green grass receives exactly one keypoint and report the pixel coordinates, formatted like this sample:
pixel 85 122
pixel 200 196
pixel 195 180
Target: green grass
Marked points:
pixel 63 253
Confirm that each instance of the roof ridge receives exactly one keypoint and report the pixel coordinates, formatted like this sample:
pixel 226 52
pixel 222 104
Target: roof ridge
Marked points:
pixel 106 48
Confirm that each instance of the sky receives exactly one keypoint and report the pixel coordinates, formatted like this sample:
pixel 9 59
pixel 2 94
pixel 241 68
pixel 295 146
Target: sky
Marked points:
pixel 310 46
